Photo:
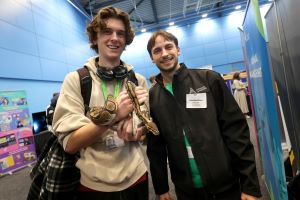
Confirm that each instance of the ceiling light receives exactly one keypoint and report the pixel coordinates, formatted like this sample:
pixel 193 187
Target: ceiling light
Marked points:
pixel 143 30
pixel 238 7
pixel 171 23
pixel 204 15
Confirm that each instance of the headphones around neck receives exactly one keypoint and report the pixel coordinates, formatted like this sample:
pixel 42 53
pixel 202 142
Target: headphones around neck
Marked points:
pixel 118 72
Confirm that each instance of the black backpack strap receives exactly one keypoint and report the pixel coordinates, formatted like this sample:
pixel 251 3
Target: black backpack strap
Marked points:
pixel 132 77
pixel 86 86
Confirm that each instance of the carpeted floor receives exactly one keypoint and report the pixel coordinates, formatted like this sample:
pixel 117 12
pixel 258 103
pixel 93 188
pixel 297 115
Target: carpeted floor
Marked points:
pixel 16 185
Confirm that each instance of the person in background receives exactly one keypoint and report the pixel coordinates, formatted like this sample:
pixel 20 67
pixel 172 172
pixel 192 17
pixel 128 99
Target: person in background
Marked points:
pixel 50 110
pixel 203 134
pixel 239 94
pixel 111 163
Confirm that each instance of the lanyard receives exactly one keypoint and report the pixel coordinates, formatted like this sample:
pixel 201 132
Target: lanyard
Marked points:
pixel 116 88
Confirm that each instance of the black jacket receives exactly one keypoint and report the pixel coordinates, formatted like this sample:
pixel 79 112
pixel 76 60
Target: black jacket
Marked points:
pixel 219 135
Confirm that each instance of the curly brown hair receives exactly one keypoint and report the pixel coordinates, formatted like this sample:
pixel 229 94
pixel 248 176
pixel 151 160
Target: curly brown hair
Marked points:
pixel 99 24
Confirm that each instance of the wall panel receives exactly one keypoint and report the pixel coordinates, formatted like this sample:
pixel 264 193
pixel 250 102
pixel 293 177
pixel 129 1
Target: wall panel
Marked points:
pixel 17 39
pixel 23 66
pixel 40 42
pixel 53 70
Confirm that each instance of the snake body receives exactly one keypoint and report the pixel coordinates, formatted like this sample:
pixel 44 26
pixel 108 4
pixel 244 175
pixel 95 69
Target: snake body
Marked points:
pixel 143 116
pixel 104 115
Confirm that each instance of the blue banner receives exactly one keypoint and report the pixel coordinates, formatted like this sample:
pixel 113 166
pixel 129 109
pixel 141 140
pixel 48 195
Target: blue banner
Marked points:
pixel 264 100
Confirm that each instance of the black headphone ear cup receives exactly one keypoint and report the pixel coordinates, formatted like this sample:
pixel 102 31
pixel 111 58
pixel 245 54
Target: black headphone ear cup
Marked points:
pixel 107 75
pixel 120 72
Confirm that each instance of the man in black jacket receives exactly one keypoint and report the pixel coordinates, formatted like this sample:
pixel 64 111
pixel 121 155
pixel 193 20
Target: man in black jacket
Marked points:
pixel 204 135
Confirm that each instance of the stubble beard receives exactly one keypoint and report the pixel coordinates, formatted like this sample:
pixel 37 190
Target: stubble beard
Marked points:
pixel 170 70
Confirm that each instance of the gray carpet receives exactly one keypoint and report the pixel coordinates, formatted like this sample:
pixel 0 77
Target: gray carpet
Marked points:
pixel 16 185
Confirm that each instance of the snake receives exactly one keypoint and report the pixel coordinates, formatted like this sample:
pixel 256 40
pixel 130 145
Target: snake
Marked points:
pixel 104 115
pixel 142 115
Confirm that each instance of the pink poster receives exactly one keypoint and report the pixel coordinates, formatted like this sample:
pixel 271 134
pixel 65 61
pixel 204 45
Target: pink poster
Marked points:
pixel 16 138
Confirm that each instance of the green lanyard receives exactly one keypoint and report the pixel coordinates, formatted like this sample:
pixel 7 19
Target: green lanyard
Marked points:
pixel 116 89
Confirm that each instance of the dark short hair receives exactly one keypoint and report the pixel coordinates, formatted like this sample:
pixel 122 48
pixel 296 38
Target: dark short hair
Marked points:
pixel 168 36
pixel 236 75
pixel 99 24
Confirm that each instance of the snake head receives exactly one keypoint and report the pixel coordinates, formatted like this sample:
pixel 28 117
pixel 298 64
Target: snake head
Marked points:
pixel 151 126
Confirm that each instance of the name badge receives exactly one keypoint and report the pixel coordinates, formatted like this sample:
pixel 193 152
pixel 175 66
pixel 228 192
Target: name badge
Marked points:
pixel 197 100
pixel 113 141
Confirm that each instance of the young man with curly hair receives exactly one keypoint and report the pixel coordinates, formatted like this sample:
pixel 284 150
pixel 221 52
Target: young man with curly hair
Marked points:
pixel 111 163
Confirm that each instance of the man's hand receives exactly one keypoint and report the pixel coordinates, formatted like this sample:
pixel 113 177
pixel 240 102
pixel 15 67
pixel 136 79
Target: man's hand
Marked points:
pixel 124 106
pixel 141 133
pixel 165 196
pixel 248 197
pixel 141 94
pixel 125 130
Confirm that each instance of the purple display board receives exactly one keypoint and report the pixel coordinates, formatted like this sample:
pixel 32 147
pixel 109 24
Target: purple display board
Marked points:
pixel 17 147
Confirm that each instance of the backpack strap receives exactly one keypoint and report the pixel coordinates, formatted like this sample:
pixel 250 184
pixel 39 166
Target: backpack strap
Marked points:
pixel 86 86
pixel 132 77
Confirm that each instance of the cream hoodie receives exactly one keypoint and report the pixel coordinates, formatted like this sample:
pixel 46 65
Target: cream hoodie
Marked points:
pixel 101 169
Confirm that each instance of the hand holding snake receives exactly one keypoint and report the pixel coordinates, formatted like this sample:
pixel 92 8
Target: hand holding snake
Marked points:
pixel 142 115
pixel 117 110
